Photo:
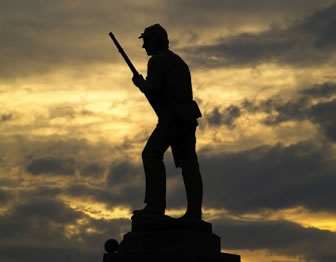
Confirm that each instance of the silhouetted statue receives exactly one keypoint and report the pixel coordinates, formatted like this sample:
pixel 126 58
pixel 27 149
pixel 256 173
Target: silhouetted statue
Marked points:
pixel 154 236
pixel 169 91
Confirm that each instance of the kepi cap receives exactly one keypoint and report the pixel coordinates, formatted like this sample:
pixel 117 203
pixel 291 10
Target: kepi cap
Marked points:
pixel 156 30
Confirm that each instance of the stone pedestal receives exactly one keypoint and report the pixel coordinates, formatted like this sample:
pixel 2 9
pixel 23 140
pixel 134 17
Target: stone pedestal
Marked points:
pixel 164 239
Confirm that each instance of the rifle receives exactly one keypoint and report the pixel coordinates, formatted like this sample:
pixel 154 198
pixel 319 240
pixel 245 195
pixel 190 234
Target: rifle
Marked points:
pixel 131 66
pixel 123 54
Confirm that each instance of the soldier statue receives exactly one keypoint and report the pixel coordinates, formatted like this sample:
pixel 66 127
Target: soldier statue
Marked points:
pixel 169 91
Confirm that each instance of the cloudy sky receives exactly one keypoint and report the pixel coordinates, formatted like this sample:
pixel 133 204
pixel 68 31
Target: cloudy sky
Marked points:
pixel 72 125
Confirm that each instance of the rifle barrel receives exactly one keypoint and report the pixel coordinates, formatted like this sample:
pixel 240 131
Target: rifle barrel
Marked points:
pixel 124 55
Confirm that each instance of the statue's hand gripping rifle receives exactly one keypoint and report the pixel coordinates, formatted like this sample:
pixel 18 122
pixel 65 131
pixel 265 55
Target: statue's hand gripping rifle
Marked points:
pixel 122 52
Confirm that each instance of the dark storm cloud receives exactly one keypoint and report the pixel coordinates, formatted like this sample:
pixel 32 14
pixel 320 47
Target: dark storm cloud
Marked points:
pixel 62 156
pixel 324 115
pixel 70 111
pixel 39 36
pixel 264 177
pixel 226 117
pixel 302 107
pixel 282 112
pixel 271 177
pixel 243 8
pixel 121 173
pixel 245 49
pixel 36 230
pixel 325 90
pixel 278 236
pixel 4 197
pixel 54 210
pixel 62 147
pixel 30 253
pixel 51 165
pixel 322 24
pixel 306 43
pixel 124 186
pixel 267 177
pixel 5 117
pixel 36 221
pixel 92 170
pixel 128 195
pixel 315 104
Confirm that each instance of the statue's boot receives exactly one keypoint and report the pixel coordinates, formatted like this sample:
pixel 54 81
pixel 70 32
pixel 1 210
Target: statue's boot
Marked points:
pixel 149 209
pixel 192 216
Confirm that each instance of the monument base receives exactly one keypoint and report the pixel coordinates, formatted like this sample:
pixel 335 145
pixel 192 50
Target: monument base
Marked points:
pixel 222 257
pixel 163 239
pixel 167 223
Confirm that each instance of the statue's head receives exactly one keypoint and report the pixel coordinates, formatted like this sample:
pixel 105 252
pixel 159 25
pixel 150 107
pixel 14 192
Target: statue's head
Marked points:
pixel 155 38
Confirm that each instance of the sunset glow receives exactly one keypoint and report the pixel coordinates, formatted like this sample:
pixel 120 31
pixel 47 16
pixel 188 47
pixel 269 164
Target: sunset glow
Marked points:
pixel 73 126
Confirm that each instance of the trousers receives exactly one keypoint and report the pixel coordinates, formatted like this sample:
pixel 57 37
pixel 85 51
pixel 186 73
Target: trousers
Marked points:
pixel 182 140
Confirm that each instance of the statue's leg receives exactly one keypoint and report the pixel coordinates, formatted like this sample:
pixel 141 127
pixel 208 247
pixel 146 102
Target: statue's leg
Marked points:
pixel 185 156
pixel 155 173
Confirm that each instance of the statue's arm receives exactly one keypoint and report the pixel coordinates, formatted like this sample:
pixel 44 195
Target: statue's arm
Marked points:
pixel 152 83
